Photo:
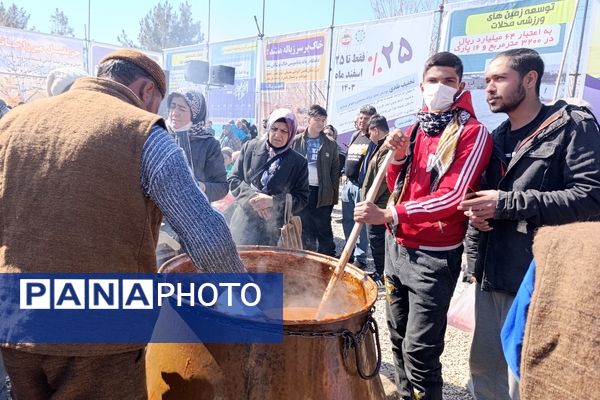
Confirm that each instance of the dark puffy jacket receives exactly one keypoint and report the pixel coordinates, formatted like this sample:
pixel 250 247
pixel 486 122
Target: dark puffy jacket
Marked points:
pixel 209 166
pixel 553 179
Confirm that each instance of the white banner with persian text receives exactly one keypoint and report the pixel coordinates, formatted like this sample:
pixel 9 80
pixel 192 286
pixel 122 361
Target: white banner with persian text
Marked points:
pixel 378 64
pixel 477 32
pixel 26 58
pixel 295 72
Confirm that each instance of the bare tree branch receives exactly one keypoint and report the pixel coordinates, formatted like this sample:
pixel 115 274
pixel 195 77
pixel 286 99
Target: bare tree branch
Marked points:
pixel 393 8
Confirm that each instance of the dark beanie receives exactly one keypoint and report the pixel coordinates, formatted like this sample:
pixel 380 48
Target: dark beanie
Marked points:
pixel 144 62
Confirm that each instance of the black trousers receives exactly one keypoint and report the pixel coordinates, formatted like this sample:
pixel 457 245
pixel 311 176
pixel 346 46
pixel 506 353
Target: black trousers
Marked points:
pixel 419 286
pixel 377 243
pixel 317 234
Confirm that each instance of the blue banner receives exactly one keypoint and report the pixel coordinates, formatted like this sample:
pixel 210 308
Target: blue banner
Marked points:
pixel 237 101
pixel 141 308
pixel 175 61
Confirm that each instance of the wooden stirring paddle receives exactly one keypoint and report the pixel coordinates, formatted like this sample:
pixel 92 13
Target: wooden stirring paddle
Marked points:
pixel 351 242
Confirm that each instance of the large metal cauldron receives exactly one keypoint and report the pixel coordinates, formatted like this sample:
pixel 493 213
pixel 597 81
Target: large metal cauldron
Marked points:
pixel 336 358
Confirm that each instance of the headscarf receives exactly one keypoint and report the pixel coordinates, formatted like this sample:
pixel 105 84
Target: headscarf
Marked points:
pixel 290 120
pixel 195 100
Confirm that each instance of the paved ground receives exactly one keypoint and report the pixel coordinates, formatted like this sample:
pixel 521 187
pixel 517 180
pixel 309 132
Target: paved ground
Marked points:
pixel 455 367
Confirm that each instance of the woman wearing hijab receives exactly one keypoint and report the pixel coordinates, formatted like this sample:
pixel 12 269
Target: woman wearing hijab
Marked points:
pixel 187 113
pixel 266 170
pixel 229 139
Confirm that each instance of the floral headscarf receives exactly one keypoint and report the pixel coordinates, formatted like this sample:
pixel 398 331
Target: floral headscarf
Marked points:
pixel 195 100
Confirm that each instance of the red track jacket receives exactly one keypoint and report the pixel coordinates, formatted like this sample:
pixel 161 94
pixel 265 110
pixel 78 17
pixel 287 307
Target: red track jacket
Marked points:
pixel 430 220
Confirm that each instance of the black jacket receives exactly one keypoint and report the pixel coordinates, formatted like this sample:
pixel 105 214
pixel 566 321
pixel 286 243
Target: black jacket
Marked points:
pixel 553 179
pixel 244 182
pixel 209 166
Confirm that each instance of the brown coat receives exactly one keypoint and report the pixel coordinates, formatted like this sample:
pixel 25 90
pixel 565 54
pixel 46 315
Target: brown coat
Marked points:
pixel 328 167
pixel 71 196
pixel 375 164
pixel 561 350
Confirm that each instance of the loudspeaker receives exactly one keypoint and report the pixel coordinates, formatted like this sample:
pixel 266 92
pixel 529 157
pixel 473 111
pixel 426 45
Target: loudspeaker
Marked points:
pixel 222 75
pixel 196 71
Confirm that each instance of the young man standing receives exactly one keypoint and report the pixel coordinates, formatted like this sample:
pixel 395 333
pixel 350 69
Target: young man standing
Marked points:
pixel 323 182
pixel 545 171
pixel 351 191
pixel 376 153
pixel 209 128
pixel 445 154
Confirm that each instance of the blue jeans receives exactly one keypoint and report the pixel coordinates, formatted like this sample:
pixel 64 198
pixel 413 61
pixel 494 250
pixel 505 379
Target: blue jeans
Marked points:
pixel 377 242
pixel 351 196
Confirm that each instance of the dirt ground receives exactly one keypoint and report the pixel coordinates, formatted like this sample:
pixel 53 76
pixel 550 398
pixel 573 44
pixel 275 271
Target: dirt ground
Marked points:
pixel 455 366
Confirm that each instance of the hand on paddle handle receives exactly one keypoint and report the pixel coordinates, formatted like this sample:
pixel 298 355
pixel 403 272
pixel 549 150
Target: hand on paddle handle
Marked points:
pixel 368 213
pixel 398 142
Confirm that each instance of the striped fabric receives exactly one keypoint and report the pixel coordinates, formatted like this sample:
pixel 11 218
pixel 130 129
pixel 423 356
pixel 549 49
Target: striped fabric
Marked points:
pixel 167 180
pixel 444 154
pixel 451 199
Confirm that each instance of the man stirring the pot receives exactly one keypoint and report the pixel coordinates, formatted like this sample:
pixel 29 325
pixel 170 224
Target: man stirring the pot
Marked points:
pixel 443 155
pixel 100 171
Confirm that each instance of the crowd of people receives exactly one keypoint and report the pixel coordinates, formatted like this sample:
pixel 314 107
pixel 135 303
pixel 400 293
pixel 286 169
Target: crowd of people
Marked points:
pixel 451 186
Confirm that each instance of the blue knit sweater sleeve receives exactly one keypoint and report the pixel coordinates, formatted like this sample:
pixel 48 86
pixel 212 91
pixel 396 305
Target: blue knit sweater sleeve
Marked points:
pixel 168 181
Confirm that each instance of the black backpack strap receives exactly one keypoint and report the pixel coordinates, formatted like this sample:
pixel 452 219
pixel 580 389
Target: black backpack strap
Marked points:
pixel 260 170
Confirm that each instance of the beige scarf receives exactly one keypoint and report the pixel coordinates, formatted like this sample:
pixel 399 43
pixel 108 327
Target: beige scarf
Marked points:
pixel 442 159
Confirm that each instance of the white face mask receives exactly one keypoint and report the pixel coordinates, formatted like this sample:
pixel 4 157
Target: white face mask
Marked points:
pixel 183 128
pixel 438 97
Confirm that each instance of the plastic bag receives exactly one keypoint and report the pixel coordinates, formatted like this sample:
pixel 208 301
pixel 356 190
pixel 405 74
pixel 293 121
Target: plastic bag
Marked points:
pixel 461 313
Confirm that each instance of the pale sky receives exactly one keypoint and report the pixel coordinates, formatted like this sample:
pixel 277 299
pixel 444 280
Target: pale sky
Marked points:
pixel 230 19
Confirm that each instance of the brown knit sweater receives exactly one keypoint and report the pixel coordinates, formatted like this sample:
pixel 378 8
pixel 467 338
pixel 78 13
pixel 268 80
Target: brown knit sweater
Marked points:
pixel 70 198
pixel 561 350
